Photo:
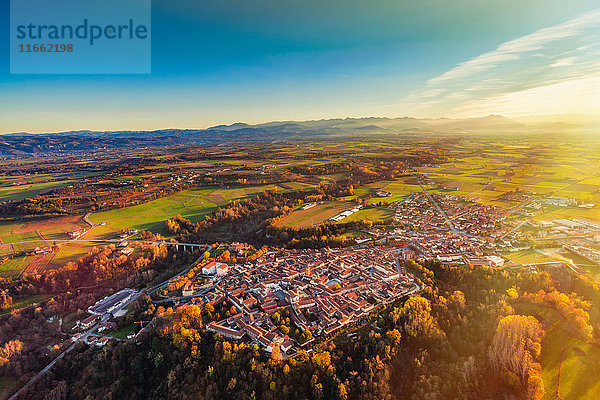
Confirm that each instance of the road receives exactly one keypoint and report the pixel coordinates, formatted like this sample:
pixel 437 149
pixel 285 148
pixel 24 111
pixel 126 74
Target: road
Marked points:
pixel 49 366
pixel 85 218
pixel 87 221
pixel 185 271
pixel 93 328
pixel 516 228
pixel 448 221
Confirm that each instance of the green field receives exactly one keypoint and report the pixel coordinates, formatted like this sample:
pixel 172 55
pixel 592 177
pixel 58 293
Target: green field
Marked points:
pixel 371 214
pixel 8 193
pixel 400 189
pixel 528 256
pixel 71 252
pixel 486 170
pixel 27 302
pixel 122 333
pixel 579 376
pixel 6 249
pixel 20 237
pixel 13 267
pixel 550 213
pixel 578 359
pixel 7 228
pixel 192 204
pixel 50 229
pixel 315 215
pixel 15 238
pixel 41 232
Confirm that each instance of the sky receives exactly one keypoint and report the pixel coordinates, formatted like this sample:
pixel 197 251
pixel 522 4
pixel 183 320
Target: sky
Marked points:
pixel 254 61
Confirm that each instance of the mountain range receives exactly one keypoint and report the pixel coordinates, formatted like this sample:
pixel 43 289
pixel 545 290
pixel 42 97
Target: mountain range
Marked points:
pixel 22 144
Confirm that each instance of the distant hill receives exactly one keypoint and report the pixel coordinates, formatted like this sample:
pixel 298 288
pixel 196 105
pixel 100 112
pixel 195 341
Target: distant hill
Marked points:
pixel 488 123
pixel 19 144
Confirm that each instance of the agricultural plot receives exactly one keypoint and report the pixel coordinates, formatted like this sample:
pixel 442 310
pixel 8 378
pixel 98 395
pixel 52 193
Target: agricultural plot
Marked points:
pixel 399 190
pixel 57 227
pixel 553 212
pixel 123 332
pixel 27 247
pixel 489 172
pixel 71 252
pixel 38 232
pixel 27 301
pixel 528 256
pixel 47 229
pixel 21 237
pixel 315 215
pixel 31 238
pixel 13 267
pixel 192 204
pixel 10 193
pixel 9 228
pixel 38 263
pixel 6 249
pixel 372 214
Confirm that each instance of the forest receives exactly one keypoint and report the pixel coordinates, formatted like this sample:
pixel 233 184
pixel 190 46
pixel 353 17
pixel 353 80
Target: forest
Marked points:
pixel 459 338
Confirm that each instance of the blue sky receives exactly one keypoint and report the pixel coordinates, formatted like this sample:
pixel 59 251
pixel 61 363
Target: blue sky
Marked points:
pixel 243 60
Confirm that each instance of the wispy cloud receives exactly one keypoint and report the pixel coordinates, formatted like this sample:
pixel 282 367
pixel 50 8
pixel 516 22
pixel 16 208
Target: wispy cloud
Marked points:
pixel 557 66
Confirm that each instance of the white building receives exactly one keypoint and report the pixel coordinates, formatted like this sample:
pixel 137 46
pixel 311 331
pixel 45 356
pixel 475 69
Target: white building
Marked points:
pixel 215 268
pixel 210 268
pixel 495 261
pixel 222 269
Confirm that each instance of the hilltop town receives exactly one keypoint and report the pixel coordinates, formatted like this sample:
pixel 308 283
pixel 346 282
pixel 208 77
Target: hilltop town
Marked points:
pixel 321 291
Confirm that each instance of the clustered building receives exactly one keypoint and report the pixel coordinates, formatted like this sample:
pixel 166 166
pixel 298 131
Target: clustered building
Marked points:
pixel 426 233
pixel 322 290
pixel 466 214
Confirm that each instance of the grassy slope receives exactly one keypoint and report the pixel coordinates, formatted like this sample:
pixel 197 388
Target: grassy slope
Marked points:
pixel 13 267
pixel 27 301
pixel 373 214
pixel 579 376
pixel 315 215
pixel 21 192
pixel 192 204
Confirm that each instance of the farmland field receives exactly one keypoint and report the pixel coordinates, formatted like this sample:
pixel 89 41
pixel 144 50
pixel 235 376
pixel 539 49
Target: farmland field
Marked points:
pixel 20 237
pixel 488 171
pixel 315 215
pixel 371 213
pixel 71 252
pixel 6 249
pixel 20 192
pixel 550 213
pixel 192 204
pixel 48 229
pixel 27 301
pixel 123 332
pixel 13 267
pixel 529 256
